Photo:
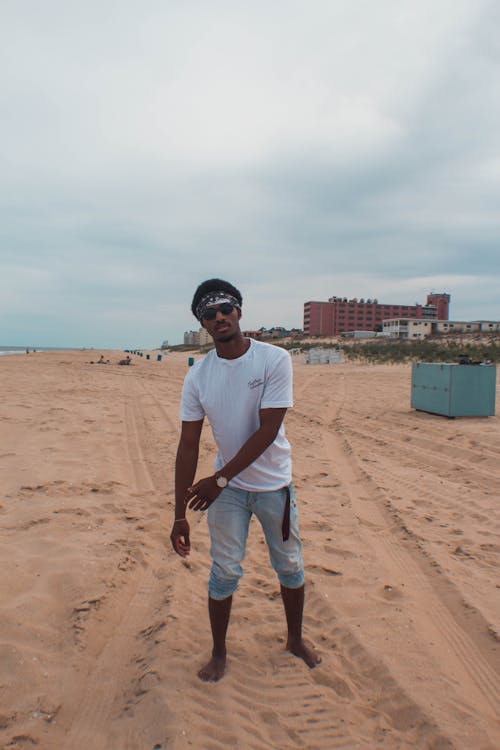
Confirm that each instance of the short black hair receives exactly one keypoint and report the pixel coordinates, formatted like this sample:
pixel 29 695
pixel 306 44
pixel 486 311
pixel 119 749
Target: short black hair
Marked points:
pixel 214 285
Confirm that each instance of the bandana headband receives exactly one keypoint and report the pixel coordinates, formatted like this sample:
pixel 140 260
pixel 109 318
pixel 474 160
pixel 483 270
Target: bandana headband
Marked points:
pixel 215 298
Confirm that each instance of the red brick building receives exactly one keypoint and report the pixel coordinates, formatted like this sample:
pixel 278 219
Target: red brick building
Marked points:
pixel 340 315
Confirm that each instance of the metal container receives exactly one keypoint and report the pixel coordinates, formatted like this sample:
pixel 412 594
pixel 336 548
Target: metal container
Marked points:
pixel 454 390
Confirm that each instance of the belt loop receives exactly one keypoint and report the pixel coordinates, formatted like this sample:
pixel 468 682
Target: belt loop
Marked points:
pixel 285 526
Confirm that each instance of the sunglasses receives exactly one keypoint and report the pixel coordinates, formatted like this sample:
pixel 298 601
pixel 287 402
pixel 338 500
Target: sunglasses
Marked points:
pixel 225 308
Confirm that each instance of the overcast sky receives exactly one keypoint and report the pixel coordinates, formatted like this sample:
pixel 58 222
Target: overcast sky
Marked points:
pixel 299 148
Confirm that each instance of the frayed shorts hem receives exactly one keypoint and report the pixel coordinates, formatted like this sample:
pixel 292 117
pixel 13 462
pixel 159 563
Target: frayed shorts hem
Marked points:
pixel 292 580
pixel 220 590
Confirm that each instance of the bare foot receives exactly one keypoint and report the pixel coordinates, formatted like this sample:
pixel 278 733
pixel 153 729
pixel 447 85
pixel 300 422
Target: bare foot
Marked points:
pixel 214 670
pixel 311 658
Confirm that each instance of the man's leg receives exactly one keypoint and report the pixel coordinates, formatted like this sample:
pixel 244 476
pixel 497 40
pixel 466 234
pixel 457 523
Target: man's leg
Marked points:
pixel 286 559
pixel 293 600
pixel 228 522
pixel 219 612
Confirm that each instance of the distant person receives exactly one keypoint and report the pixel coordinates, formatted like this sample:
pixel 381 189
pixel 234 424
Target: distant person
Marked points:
pixel 125 361
pixel 244 388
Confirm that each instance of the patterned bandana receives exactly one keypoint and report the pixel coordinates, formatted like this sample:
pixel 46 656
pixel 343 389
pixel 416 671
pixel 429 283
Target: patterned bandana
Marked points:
pixel 214 298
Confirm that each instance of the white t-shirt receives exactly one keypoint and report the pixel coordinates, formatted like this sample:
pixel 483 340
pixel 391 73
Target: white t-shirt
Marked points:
pixel 230 392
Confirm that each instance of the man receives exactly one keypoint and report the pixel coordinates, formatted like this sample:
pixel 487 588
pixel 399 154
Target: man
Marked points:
pixel 244 388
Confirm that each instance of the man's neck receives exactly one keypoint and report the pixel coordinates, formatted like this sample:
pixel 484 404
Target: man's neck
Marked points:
pixel 233 349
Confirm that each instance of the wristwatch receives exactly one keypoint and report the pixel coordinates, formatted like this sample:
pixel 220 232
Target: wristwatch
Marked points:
pixel 221 481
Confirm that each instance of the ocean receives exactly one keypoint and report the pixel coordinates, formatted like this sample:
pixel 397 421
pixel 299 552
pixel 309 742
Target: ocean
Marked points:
pixel 23 349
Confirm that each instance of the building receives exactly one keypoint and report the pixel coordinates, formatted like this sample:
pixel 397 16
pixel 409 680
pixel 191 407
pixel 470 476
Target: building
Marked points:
pixel 197 338
pixel 408 328
pixel 341 315
pixel 204 337
pixel 191 338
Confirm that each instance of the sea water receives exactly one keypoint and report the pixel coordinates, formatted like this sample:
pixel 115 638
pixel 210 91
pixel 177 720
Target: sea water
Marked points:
pixel 31 349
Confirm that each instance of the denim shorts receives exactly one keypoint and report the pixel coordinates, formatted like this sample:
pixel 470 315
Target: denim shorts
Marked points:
pixel 228 521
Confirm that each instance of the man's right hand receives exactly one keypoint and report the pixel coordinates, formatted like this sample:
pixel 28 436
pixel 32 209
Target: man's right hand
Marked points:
pixel 179 536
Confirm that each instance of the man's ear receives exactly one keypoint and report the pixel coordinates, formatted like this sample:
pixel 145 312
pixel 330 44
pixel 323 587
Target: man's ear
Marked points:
pixel 201 323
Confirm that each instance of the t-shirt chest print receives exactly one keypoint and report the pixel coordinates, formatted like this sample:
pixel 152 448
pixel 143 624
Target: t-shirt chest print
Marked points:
pixel 255 383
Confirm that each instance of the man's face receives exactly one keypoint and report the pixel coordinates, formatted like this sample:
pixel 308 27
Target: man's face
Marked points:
pixel 224 326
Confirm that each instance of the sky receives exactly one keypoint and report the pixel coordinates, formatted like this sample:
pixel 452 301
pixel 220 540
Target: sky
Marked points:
pixel 301 149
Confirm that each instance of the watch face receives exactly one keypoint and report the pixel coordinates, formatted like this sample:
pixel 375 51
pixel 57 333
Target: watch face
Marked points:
pixel 221 482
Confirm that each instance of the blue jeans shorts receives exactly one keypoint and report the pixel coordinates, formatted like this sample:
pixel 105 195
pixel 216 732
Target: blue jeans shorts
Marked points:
pixel 228 522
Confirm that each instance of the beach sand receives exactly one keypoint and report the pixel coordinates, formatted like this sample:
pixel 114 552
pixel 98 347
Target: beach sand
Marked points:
pixel 103 627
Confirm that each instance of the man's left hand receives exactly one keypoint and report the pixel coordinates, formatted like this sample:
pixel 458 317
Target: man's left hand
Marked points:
pixel 202 494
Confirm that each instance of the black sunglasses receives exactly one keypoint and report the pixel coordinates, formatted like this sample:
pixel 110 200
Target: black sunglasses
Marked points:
pixel 225 308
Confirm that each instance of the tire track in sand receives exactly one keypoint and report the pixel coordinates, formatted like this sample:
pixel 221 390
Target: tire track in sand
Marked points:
pixel 123 665
pixel 111 670
pixel 469 681
pixel 142 475
pixel 442 613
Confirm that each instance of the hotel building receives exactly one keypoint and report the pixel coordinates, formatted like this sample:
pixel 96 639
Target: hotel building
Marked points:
pixel 341 315
pixel 405 328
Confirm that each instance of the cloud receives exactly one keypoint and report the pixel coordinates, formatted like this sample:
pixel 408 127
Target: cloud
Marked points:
pixel 301 149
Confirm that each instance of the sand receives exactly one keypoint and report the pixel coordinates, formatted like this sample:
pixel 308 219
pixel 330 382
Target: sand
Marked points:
pixel 103 627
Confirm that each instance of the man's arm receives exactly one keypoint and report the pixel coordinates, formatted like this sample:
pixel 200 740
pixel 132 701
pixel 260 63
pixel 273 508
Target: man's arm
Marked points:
pixel 204 492
pixel 270 423
pixel 185 469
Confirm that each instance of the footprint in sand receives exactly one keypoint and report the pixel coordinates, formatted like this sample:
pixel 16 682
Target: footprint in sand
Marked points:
pixel 338 685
